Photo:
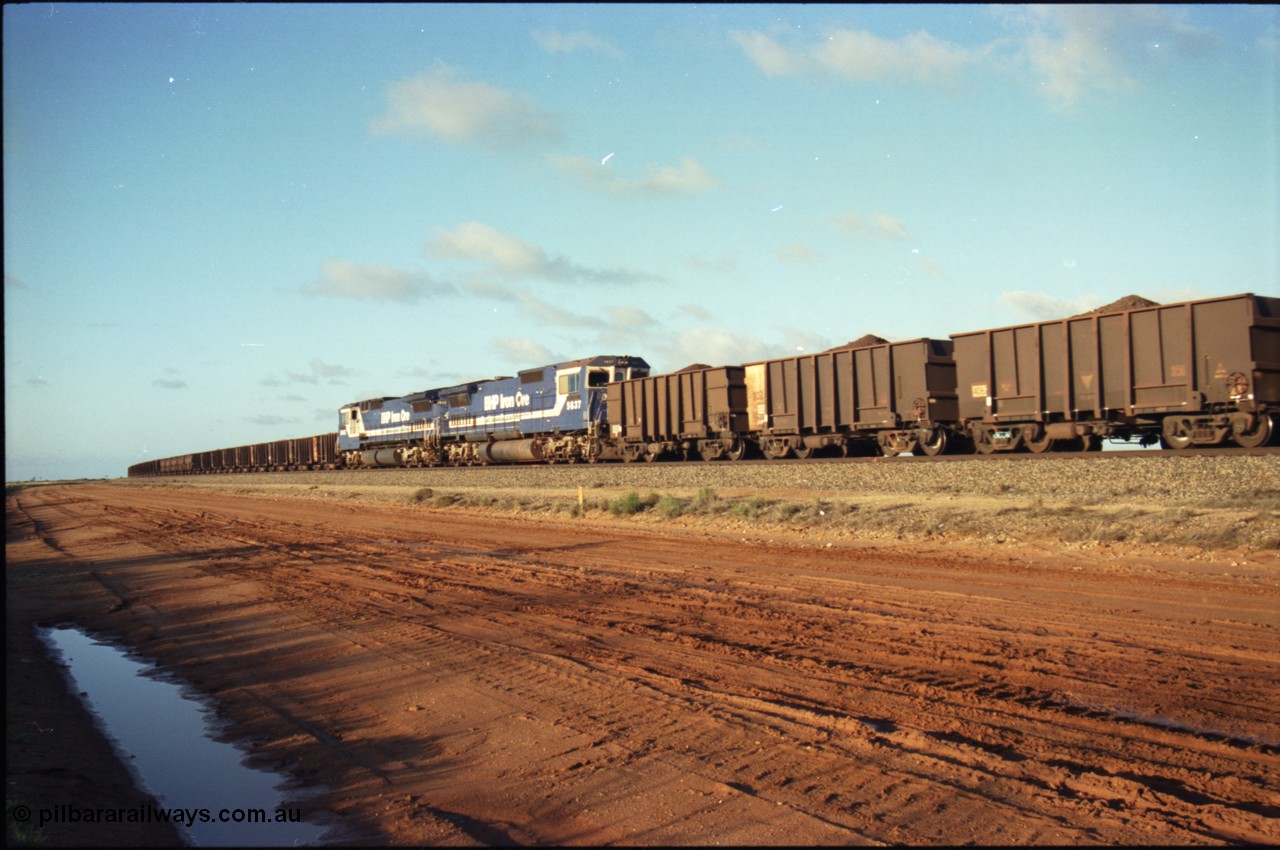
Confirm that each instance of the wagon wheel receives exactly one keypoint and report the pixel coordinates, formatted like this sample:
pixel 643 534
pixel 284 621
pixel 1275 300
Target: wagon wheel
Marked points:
pixel 982 443
pixel 650 456
pixel 1041 443
pixel 782 451
pixel 935 445
pixel 709 451
pixel 1260 434
pixel 804 452
pixel 630 457
pixel 739 449
pixel 1174 435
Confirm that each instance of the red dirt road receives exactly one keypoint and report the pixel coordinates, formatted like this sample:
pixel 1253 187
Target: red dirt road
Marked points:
pixel 452 677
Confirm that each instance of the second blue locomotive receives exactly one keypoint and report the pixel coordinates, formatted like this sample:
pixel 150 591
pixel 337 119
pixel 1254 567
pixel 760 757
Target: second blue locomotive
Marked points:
pixel 552 413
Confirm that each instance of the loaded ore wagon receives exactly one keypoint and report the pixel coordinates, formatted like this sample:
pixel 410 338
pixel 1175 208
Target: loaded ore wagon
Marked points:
pixel 1194 373
pixel 699 409
pixel 884 396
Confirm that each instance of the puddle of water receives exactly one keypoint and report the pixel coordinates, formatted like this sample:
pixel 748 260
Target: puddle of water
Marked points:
pixel 166 737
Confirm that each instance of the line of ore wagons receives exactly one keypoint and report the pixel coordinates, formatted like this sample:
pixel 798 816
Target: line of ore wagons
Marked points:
pixel 1195 373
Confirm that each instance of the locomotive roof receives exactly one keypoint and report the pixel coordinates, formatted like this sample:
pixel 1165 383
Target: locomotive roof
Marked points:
pixel 473 386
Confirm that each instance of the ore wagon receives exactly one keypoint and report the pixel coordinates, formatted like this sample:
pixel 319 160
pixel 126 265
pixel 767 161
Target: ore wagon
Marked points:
pixel 890 397
pixel 700 411
pixel 1194 373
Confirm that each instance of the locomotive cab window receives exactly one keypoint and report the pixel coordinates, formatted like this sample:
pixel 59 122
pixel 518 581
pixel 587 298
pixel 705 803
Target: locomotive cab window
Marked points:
pixel 570 383
pixel 598 377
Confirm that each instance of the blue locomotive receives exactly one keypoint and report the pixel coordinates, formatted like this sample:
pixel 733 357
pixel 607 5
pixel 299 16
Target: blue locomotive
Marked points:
pixel 549 414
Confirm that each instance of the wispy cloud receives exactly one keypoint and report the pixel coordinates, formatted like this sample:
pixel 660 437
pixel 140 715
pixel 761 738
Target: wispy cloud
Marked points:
pixel 710 264
pixel 523 352
pixel 332 371
pixel 165 384
pixel 1064 52
pixel 14 283
pixel 630 318
pixel 511 257
pixel 880 225
pixel 317 370
pixel 554 41
pixel 437 103
pixel 343 279
pixel 553 316
pixel 859 55
pixel 1073 51
pixel 688 177
pixel 797 252
pixel 715 347
pixel 268 419
pixel 1040 306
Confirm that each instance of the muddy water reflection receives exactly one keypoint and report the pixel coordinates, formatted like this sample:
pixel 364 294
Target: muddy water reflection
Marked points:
pixel 167 737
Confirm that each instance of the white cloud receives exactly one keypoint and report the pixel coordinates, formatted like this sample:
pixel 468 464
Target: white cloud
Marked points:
pixel 711 264
pixel 933 268
pixel 630 318
pixel 343 279
pixel 437 103
pixel 796 253
pixel 1074 51
pixel 715 347
pixel 549 314
pixel 1042 307
pixel 695 311
pixel 769 56
pixel 889 227
pixel 859 55
pixel 508 256
pixel 689 177
pixel 524 353
pixel 317 369
pixel 269 419
pixel 881 225
pixel 1065 52
pixel 329 370
pixel 476 241
pixel 554 41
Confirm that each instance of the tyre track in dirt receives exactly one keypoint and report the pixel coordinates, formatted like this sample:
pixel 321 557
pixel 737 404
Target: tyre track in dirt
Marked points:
pixel 887 697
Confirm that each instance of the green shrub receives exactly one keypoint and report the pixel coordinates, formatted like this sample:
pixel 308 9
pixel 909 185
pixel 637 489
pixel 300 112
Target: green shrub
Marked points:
pixel 705 499
pixel 670 506
pixel 627 505
pixel 750 508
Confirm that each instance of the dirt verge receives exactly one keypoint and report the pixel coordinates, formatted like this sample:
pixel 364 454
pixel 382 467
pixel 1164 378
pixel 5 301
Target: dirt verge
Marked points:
pixel 456 676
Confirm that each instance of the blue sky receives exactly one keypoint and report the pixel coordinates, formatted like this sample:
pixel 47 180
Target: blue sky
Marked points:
pixel 222 222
